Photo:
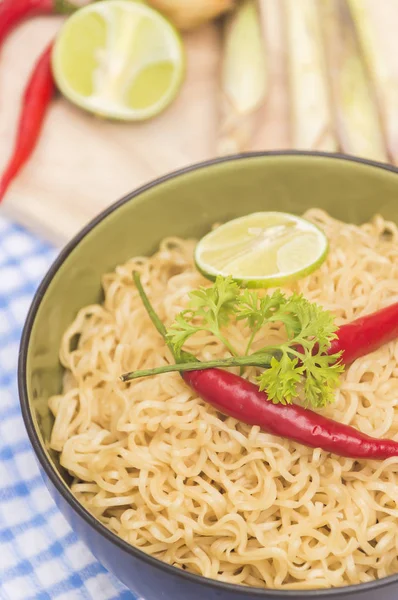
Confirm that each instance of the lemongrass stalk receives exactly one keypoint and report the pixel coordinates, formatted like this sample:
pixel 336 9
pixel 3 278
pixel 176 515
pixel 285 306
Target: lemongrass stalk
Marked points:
pixel 188 14
pixel 381 67
pixel 311 116
pixel 243 76
pixel 358 122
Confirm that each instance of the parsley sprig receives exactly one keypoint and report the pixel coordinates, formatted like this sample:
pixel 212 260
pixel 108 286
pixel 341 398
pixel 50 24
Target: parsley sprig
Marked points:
pixel 298 364
pixel 210 309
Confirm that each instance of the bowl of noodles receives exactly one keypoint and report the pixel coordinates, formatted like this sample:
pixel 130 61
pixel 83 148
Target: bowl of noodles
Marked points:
pixel 176 499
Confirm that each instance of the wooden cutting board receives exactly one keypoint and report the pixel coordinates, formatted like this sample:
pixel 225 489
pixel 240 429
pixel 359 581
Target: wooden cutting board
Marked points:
pixel 83 164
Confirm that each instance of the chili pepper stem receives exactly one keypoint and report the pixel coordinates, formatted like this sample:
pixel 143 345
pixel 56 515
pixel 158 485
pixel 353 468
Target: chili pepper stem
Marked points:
pixel 262 360
pixel 64 7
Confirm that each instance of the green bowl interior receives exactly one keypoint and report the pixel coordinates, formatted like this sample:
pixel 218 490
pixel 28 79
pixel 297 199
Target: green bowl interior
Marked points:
pixel 187 205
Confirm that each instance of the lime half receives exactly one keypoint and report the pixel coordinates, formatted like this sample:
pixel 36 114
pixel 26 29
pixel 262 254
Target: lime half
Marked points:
pixel 262 249
pixel 119 59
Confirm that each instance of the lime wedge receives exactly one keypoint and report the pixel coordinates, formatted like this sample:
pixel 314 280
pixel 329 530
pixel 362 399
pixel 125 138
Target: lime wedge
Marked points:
pixel 119 59
pixel 262 249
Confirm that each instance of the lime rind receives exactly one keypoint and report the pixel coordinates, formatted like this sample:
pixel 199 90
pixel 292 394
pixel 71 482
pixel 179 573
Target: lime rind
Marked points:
pixel 111 103
pixel 317 252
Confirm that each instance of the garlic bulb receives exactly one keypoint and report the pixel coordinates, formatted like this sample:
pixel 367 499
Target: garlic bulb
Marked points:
pixel 187 14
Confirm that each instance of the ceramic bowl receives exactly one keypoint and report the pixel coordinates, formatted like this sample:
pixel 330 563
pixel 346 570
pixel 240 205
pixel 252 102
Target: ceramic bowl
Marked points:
pixel 185 203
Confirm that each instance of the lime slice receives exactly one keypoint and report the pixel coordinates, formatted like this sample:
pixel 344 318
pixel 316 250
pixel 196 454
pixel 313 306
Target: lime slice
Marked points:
pixel 262 249
pixel 119 59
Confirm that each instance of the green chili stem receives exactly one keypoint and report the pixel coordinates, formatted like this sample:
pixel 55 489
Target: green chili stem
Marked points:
pixel 65 7
pixel 261 360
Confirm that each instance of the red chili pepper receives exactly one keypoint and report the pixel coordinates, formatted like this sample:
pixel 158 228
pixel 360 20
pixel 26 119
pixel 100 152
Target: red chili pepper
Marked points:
pixel 242 400
pixel 234 396
pixel 36 100
pixel 366 334
pixel 13 12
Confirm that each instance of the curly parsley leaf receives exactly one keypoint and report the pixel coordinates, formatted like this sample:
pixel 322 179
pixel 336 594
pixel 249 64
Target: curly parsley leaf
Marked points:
pixel 217 303
pixel 210 309
pixel 282 379
pixel 315 326
pixel 322 376
pixel 257 311
pixel 298 363
pixel 181 330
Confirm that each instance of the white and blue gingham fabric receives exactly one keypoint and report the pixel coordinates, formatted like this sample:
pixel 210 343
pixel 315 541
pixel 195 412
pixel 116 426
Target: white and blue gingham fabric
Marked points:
pixel 40 556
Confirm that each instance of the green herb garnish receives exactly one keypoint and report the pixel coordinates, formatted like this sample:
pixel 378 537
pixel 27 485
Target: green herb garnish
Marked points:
pixel 300 362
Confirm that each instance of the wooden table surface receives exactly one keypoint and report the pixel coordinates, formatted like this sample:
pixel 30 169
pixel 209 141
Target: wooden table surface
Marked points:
pixel 82 164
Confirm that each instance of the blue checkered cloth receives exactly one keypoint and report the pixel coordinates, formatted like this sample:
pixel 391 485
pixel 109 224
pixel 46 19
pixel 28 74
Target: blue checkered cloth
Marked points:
pixel 40 556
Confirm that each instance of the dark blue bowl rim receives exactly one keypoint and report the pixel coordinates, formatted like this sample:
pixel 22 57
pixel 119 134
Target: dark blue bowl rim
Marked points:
pixel 62 488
